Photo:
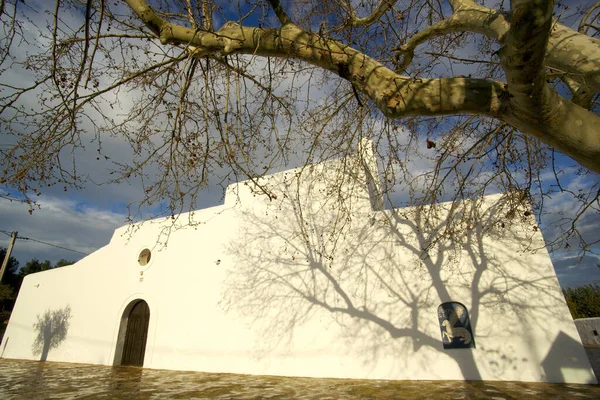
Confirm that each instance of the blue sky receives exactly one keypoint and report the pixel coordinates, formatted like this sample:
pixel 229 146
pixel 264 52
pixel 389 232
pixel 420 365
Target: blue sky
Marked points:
pixel 84 219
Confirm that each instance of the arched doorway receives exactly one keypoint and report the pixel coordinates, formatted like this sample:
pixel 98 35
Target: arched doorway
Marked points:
pixel 133 333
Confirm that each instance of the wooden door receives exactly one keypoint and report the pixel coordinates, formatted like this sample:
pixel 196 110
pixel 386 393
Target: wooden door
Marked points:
pixel 136 335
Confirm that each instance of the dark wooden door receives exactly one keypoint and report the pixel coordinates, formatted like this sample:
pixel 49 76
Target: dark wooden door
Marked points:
pixel 136 335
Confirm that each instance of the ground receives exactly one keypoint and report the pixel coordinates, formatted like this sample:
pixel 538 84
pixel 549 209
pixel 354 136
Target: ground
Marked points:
pixel 48 380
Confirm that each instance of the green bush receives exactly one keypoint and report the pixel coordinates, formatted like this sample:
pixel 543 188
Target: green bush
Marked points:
pixel 584 301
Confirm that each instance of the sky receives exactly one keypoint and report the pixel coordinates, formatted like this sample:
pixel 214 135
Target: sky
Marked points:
pixel 69 224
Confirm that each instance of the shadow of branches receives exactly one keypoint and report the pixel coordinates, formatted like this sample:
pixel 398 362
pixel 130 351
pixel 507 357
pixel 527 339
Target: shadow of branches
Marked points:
pixel 321 254
pixel 52 328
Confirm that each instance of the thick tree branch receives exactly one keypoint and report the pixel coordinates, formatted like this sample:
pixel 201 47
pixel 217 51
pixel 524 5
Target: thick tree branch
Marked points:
pixel 456 4
pixel 575 53
pixel 563 125
pixel 582 96
pixel 533 106
pixel 280 12
pixel 472 18
pixel 381 8
pixel 147 15
pixel 398 96
pixel 588 14
pixel 525 46
pixel 567 50
pixel 394 95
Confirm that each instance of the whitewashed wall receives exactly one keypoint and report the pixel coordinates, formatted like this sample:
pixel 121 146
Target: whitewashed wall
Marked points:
pixel 308 282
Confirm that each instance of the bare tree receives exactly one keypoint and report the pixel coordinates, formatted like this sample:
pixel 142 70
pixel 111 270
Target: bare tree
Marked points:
pixel 485 98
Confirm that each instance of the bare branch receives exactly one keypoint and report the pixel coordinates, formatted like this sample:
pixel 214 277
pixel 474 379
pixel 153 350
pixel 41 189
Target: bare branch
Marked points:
pixel 280 12
pixel 96 43
pixel 532 101
pixel 381 8
pixel 207 16
pixel 461 59
pixel 212 103
pixel 190 12
pixel 491 23
pixel 567 49
pixel 398 96
pixel 584 21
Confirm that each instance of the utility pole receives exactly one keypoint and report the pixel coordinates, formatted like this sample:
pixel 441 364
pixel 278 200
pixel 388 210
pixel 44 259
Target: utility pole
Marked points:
pixel 13 237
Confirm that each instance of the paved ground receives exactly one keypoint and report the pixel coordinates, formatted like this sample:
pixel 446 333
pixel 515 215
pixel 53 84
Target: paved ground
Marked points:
pixel 46 380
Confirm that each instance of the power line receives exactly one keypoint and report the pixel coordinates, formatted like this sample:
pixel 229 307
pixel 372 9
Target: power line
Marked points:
pixel 53 245
pixel 46 243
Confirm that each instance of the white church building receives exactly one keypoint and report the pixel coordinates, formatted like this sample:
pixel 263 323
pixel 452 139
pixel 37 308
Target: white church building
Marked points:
pixel 304 273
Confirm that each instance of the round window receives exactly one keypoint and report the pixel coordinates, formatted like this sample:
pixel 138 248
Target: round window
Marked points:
pixel 144 257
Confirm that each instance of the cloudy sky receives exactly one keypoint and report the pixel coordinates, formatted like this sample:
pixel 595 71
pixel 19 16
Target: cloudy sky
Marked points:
pixel 84 220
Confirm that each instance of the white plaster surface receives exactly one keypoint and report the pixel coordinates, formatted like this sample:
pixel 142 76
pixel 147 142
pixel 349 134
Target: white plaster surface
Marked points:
pixel 306 284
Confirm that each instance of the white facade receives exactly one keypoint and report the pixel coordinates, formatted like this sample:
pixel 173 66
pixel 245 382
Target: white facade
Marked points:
pixel 313 280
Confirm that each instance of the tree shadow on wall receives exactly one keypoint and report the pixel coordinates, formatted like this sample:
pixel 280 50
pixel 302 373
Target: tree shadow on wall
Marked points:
pixel 52 328
pixel 322 250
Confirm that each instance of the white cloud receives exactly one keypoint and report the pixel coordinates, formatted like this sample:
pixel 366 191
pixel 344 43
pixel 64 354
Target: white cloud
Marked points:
pixel 573 271
pixel 61 222
pixel 84 220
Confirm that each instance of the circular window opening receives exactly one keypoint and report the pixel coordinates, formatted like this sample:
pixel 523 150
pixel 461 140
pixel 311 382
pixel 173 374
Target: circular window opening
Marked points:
pixel 144 257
